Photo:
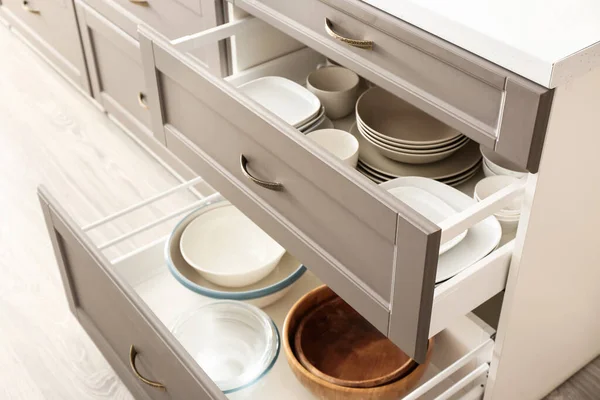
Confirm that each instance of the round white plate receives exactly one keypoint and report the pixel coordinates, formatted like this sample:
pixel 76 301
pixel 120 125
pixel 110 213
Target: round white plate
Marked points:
pixel 293 103
pixel 400 121
pixel 459 162
pixel 431 207
pixel 313 123
pixel 482 238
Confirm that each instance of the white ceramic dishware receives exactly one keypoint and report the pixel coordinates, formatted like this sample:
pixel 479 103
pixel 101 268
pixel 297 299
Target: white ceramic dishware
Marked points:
pixel 228 249
pixel 339 143
pixel 482 238
pixel 261 294
pixel 431 207
pixel 508 216
pixel 337 89
pixel 461 161
pixel 235 343
pixel 285 98
pixel 314 122
pixel 396 120
pixel 498 165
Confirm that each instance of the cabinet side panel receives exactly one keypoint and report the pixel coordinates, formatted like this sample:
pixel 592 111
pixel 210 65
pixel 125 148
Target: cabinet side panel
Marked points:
pixel 549 325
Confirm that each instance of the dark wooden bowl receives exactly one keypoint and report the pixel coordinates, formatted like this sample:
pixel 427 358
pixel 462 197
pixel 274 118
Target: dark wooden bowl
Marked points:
pixel 324 389
pixel 337 344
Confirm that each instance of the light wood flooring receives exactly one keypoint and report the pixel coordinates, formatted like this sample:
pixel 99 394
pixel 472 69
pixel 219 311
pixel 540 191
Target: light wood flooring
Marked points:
pixel 50 134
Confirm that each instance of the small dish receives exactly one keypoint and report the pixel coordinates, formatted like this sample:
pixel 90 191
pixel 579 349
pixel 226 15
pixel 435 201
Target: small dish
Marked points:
pixel 490 185
pixel 337 344
pixel 337 89
pixel 234 343
pixel 431 207
pixel 339 143
pixel 261 294
pixel 285 98
pixel 228 249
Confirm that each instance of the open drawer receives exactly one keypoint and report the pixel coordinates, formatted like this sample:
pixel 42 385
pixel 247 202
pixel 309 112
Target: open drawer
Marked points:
pixel 373 250
pixel 128 303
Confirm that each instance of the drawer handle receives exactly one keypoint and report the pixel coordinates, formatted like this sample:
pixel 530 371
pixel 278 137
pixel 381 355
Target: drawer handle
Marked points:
pixel 132 354
pixel 260 182
pixel 361 44
pixel 28 8
pixel 142 100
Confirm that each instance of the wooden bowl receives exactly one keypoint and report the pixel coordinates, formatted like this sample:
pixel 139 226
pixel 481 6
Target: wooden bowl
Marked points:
pixel 320 387
pixel 337 344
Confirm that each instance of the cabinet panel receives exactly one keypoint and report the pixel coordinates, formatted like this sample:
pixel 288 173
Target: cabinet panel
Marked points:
pixel 51 27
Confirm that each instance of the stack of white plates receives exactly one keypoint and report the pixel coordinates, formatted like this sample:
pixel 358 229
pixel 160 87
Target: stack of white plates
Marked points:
pixel 402 132
pixel 494 164
pixel 291 102
pixel 454 170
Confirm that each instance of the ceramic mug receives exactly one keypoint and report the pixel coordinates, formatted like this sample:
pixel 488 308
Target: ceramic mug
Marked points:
pixel 336 88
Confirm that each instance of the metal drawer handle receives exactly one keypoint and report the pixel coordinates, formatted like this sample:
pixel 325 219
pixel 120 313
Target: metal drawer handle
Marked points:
pixel 27 8
pixel 361 44
pixel 132 354
pixel 260 182
pixel 142 100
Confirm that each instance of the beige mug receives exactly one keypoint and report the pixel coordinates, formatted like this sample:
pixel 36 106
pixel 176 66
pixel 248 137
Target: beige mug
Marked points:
pixel 337 89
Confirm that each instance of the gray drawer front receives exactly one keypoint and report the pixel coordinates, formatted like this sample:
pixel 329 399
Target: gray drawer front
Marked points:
pixel 329 216
pixel 53 31
pixel 116 70
pixel 488 104
pixel 168 17
pixel 116 318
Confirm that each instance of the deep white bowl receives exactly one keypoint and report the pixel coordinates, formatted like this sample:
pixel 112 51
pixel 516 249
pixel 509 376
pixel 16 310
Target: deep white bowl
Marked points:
pixel 228 249
pixel 340 143
pixel 508 216
pixel 499 165
pixel 235 343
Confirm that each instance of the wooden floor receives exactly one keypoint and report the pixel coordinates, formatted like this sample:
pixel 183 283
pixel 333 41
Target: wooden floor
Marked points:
pixel 50 134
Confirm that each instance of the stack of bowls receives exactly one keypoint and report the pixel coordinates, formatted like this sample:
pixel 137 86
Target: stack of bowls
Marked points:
pixel 397 139
pixel 508 216
pixel 494 164
pixel 218 252
pixel 291 102
pixel 236 344
pixel 336 354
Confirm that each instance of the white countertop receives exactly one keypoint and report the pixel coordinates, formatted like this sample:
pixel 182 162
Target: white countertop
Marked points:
pixel 546 41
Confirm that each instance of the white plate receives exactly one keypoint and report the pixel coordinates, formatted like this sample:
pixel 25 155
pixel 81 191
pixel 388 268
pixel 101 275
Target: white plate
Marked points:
pixel 431 207
pixel 482 238
pixel 459 162
pixel 290 101
pixel 314 122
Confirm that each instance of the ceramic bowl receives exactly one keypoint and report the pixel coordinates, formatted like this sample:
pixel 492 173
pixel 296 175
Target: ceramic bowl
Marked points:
pixel 336 88
pixel 235 343
pixel 320 387
pixel 339 143
pixel 261 294
pixel 498 165
pixel 228 249
pixel 509 216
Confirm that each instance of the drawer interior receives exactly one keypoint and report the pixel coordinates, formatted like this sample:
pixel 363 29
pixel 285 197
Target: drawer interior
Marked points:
pixel 463 343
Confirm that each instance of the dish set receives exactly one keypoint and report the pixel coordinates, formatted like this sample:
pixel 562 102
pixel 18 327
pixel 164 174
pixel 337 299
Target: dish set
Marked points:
pixel 508 216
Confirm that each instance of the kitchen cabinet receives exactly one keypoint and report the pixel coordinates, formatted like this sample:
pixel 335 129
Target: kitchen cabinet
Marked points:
pixel 374 251
pixel 50 27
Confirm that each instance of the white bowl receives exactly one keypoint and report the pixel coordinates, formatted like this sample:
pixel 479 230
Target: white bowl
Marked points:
pixel 486 169
pixel 339 143
pixel 236 344
pixel 499 165
pixel 508 225
pixel 228 249
pixel 508 216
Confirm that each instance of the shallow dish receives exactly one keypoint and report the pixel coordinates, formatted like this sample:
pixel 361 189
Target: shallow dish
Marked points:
pixel 234 343
pixel 228 249
pixel 313 123
pixel 399 121
pixel 339 143
pixel 459 162
pixel 323 389
pixel 431 207
pixel 482 238
pixel 285 98
pixel 261 294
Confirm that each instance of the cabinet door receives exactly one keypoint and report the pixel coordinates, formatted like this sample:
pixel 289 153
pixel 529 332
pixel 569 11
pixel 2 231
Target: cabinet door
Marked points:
pixel 144 354
pixel 116 71
pixel 50 26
